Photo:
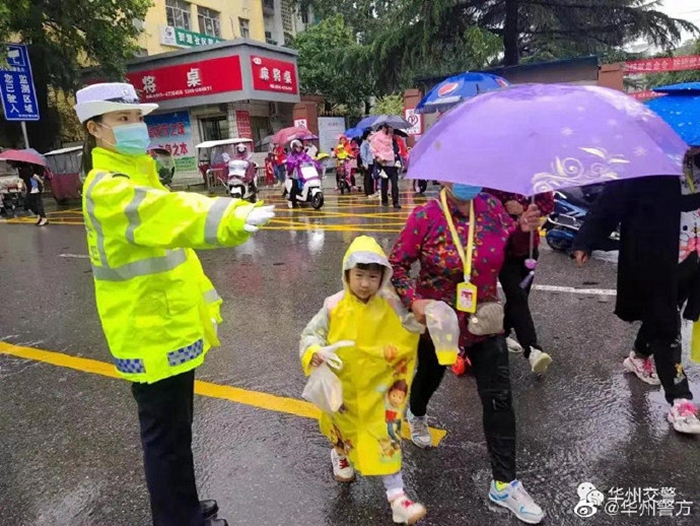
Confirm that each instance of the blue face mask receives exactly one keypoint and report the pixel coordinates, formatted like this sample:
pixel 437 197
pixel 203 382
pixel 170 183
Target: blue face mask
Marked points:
pixel 465 192
pixel 131 139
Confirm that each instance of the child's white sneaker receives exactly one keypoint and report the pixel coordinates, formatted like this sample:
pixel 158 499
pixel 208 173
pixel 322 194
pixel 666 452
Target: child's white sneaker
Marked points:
pixel 342 469
pixel 420 432
pixel 405 511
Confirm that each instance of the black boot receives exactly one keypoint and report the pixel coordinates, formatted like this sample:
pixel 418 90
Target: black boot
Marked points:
pixel 209 509
pixel 216 522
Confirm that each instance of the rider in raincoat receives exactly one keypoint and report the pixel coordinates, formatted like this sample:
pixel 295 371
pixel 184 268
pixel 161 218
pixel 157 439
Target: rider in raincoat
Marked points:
pixel 381 339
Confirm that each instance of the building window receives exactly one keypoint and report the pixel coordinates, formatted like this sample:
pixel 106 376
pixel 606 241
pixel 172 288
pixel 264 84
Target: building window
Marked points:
pixel 287 23
pixel 209 23
pixel 305 16
pixel 269 39
pixel 179 14
pixel 244 25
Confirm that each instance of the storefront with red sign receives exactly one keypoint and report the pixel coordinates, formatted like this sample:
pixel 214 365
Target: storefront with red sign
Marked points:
pixel 231 89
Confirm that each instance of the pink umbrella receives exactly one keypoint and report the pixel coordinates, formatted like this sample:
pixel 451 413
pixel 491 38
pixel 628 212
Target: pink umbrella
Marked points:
pixel 25 156
pixel 286 135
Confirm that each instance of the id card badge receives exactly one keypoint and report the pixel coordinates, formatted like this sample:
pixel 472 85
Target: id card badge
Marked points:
pixel 466 298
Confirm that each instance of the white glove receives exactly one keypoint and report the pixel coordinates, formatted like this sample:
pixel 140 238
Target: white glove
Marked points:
pixel 258 217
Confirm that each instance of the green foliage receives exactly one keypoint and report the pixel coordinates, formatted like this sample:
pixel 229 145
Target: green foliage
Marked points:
pixel 391 104
pixel 65 35
pixel 326 66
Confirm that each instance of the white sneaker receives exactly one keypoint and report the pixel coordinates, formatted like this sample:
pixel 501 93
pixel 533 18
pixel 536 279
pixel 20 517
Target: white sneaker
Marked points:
pixel 342 469
pixel 683 416
pixel 405 511
pixel 642 367
pixel 539 361
pixel 514 346
pixel 420 432
pixel 516 499
pixel 290 204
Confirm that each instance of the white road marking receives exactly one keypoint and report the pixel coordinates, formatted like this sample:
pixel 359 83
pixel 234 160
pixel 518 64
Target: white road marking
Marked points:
pixel 573 290
pixel 74 256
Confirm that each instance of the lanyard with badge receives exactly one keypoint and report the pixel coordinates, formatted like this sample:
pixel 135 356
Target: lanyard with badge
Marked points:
pixel 466 291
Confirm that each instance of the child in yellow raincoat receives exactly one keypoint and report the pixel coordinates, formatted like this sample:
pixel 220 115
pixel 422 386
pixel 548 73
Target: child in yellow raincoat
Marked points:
pixel 378 364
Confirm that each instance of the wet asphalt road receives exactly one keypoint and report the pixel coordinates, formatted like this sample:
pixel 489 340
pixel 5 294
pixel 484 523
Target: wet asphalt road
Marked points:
pixel 69 444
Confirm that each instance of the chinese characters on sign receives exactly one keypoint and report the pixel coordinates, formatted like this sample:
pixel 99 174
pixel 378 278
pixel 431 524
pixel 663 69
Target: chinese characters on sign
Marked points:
pixel 660 65
pixel 206 77
pixel 173 132
pixel 245 129
pixel 629 502
pixel 270 74
pixel 178 37
pixel 17 86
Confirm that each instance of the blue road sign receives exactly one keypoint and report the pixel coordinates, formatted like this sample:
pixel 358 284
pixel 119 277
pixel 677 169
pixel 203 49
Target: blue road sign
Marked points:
pixel 17 86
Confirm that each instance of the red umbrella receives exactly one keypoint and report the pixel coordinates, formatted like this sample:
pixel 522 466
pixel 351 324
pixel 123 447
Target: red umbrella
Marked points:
pixel 286 135
pixel 24 156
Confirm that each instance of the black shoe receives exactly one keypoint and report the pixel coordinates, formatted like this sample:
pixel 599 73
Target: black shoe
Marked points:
pixel 385 204
pixel 397 207
pixel 216 522
pixel 209 509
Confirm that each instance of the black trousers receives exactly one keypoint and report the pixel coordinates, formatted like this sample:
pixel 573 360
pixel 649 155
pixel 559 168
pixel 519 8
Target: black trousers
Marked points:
pixel 294 192
pixel 36 204
pixel 393 174
pixel 666 347
pixel 517 307
pixel 490 365
pixel 165 416
pixel 368 180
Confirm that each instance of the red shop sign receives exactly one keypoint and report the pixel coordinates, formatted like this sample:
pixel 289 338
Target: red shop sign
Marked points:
pixel 195 79
pixel 645 95
pixel 245 130
pixel 270 74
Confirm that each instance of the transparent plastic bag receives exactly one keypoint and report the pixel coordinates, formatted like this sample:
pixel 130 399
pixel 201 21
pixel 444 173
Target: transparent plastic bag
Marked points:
pixel 323 388
pixel 443 327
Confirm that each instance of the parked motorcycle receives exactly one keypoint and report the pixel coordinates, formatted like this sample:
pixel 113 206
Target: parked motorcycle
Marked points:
pixel 11 199
pixel 570 210
pixel 311 191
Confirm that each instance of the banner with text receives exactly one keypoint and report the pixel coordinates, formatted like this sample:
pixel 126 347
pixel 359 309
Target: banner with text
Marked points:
pixel 173 131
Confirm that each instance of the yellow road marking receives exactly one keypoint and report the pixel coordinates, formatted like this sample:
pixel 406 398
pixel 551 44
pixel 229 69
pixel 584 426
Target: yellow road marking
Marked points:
pixel 258 399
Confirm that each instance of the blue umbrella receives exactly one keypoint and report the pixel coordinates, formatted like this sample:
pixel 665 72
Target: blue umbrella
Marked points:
pixel 680 108
pixel 367 122
pixel 353 133
pixel 454 90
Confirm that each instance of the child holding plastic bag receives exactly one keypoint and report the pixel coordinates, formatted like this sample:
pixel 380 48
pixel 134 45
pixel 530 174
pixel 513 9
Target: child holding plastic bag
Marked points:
pixel 366 328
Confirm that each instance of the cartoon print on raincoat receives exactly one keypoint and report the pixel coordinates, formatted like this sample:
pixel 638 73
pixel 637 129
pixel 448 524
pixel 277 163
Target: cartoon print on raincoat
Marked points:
pixel 386 341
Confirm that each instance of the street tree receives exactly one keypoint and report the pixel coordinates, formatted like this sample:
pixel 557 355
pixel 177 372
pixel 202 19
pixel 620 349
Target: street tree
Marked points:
pixel 325 63
pixel 66 35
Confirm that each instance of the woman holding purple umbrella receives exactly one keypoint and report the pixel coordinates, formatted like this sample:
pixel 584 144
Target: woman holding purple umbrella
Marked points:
pixel 440 236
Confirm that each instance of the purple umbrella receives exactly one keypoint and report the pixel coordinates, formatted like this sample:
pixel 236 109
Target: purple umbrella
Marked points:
pixel 535 138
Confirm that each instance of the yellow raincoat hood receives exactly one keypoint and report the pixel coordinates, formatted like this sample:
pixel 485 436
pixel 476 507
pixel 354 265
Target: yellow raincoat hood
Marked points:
pixel 366 250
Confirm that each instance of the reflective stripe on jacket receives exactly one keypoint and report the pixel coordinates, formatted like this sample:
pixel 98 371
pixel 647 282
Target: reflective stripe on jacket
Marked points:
pixel 158 310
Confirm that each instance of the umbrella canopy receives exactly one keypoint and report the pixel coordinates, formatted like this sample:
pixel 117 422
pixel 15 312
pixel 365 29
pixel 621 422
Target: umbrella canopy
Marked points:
pixel 353 133
pixel 29 155
pixel 367 122
pixel 286 135
pixel 454 90
pixel 680 108
pixel 558 136
pixel 395 121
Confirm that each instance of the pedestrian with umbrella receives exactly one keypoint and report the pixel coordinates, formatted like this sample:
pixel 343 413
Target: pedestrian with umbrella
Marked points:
pixel 658 267
pixel 385 152
pixel 30 166
pixel 460 240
